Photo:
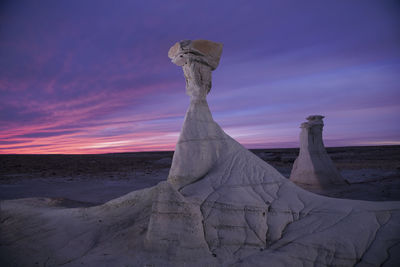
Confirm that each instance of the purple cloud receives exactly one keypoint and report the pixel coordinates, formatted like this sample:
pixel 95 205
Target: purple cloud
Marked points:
pixel 94 77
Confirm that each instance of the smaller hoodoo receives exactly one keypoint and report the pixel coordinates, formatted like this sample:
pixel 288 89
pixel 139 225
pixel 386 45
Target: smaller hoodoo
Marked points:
pixel 313 166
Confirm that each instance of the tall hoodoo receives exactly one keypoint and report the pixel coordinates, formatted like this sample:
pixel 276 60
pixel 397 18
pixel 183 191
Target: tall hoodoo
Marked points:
pixel 313 166
pixel 192 160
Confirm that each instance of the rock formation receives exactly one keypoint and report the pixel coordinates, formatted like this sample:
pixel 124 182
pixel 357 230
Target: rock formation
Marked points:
pixel 313 166
pixel 200 139
pixel 220 206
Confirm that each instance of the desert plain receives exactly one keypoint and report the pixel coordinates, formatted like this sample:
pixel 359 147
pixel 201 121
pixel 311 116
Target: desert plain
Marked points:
pixel 373 173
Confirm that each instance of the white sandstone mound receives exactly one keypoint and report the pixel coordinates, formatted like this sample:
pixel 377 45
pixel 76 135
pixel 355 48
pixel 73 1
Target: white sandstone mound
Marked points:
pixel 313 166
pixel 220 206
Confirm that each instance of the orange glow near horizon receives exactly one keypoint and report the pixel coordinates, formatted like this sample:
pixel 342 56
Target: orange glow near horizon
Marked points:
pixel 79 145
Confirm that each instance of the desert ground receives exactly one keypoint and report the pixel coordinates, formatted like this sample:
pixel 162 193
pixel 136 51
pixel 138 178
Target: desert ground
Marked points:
pixel 373 173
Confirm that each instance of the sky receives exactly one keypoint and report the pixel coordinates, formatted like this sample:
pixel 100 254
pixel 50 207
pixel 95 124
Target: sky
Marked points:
pixel 94 76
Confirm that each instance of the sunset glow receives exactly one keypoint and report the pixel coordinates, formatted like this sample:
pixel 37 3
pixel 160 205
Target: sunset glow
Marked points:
pixel 94 76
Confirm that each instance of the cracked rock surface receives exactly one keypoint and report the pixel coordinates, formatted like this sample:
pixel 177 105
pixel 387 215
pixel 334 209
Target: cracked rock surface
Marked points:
pixel 220 206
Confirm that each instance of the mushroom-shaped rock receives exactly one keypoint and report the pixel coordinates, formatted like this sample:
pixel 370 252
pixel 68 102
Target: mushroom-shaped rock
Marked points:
pixel 192 160
pixel 197 58
pixel 313 166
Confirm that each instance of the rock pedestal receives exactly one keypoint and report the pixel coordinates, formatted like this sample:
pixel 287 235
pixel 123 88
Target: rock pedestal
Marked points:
pixel 313 166
pixel 199 141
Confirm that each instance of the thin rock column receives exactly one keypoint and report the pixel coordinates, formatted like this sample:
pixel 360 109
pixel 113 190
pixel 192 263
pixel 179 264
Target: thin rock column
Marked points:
pixel 313 166
pixel 201 138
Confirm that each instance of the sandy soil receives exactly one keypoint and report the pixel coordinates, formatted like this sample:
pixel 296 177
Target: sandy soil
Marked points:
pixel 373 173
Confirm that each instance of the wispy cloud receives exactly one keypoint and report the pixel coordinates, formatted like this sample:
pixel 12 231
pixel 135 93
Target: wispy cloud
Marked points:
pixel 95 78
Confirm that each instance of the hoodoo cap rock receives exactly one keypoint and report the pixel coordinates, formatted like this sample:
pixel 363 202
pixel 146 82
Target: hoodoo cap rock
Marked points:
pixel 209 52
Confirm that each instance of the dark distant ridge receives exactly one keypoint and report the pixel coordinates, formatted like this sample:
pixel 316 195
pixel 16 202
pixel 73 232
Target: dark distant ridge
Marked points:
pixel 125 165
pixel 333 148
